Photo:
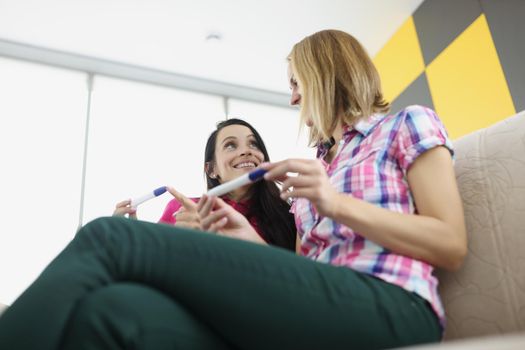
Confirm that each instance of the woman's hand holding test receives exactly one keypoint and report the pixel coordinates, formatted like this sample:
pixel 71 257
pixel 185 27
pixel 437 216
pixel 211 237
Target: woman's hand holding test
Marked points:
pixel 217 216
pixel 311 182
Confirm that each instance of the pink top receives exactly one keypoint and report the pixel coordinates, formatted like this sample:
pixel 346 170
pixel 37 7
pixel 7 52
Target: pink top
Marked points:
pixel 371 164
pixel 242 207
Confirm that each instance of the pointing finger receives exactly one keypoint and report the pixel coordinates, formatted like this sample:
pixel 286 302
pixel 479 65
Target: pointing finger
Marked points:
pixel 187 203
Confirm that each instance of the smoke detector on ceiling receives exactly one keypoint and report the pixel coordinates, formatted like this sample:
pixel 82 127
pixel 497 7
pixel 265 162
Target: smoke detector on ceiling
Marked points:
pixel 213 36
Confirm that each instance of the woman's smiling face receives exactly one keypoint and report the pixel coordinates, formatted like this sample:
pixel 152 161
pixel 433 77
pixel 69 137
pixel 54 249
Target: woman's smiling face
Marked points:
pixel 236 153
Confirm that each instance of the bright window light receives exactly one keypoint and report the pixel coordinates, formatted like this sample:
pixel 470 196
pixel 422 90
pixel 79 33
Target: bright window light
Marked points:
pixel 42 126
pixel 140 137
pixel 143 137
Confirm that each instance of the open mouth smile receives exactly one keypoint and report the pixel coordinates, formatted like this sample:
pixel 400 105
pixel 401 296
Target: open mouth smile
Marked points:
pixel 245 165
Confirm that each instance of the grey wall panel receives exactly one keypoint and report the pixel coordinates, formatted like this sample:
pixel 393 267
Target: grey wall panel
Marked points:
pixel 418 93
pixel 506 19
pixel 439 22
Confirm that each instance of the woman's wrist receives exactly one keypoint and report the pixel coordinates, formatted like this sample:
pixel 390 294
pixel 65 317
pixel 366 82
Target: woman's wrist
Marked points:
pixel 332 209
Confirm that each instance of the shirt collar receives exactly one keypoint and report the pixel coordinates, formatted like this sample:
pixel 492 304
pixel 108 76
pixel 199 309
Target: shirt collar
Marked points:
pixel 365 126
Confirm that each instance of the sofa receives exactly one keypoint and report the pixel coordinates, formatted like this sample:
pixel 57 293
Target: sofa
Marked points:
pixel 486 297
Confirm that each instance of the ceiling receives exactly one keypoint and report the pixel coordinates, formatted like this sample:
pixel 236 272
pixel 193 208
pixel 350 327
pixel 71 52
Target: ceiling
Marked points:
pixel 170 35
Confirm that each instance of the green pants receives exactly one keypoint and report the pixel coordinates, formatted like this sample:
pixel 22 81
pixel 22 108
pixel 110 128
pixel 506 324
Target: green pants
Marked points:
pixel 125 284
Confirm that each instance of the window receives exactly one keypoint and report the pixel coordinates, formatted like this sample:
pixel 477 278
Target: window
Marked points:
pixel 42 127
pixel 143 137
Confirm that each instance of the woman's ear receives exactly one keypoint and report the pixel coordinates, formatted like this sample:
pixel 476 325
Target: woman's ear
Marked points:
pixel 209 170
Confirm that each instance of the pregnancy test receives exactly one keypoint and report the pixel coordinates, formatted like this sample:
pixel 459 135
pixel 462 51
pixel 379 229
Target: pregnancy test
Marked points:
pixel 234 184
pixel 135 202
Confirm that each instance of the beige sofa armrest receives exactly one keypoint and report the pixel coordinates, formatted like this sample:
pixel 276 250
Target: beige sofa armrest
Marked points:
pixel 487 295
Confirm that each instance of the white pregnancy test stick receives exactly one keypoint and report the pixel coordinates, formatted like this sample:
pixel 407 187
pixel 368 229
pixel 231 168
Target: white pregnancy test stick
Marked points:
pixel 135 202
pixel 234 184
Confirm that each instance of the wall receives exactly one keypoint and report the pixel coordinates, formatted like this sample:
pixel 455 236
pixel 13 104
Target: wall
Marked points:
pixel 462 58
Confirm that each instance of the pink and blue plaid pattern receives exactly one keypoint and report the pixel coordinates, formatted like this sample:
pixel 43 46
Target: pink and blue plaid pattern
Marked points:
pixel 371 164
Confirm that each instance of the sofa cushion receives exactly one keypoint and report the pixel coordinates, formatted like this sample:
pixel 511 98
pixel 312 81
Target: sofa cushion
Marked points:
pixel 487 295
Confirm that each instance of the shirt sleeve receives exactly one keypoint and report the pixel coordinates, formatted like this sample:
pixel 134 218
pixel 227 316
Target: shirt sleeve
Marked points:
pixel 171 208
pixel 420 130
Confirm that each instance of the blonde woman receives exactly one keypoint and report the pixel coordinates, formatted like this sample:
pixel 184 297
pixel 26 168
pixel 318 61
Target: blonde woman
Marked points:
pixel 375 213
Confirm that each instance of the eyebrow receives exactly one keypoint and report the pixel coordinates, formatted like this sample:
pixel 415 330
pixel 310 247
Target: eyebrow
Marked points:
pixel 228 138
pixel 235 138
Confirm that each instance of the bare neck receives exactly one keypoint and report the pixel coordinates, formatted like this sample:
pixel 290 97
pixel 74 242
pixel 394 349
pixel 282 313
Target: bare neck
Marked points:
pixel 338 136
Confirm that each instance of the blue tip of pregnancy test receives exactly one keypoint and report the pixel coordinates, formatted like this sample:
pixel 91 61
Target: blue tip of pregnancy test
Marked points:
pixel 160 191
pixel 257 174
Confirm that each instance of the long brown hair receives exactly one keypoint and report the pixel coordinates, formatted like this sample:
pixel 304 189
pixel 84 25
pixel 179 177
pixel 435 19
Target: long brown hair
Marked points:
pixel 271 212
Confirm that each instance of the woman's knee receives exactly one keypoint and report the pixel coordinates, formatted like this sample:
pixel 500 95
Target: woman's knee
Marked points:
pixel 110 317
pixel 102 230
pixel 102 225
pixel 128 315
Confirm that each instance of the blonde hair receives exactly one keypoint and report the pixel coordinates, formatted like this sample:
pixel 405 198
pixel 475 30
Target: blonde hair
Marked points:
pixel 335 75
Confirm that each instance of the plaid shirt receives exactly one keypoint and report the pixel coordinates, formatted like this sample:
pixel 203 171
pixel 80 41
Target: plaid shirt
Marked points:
pixel 371 164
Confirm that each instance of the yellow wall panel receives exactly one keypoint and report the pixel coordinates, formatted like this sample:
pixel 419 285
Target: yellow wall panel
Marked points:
pixel 467 83
pixel 400 61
